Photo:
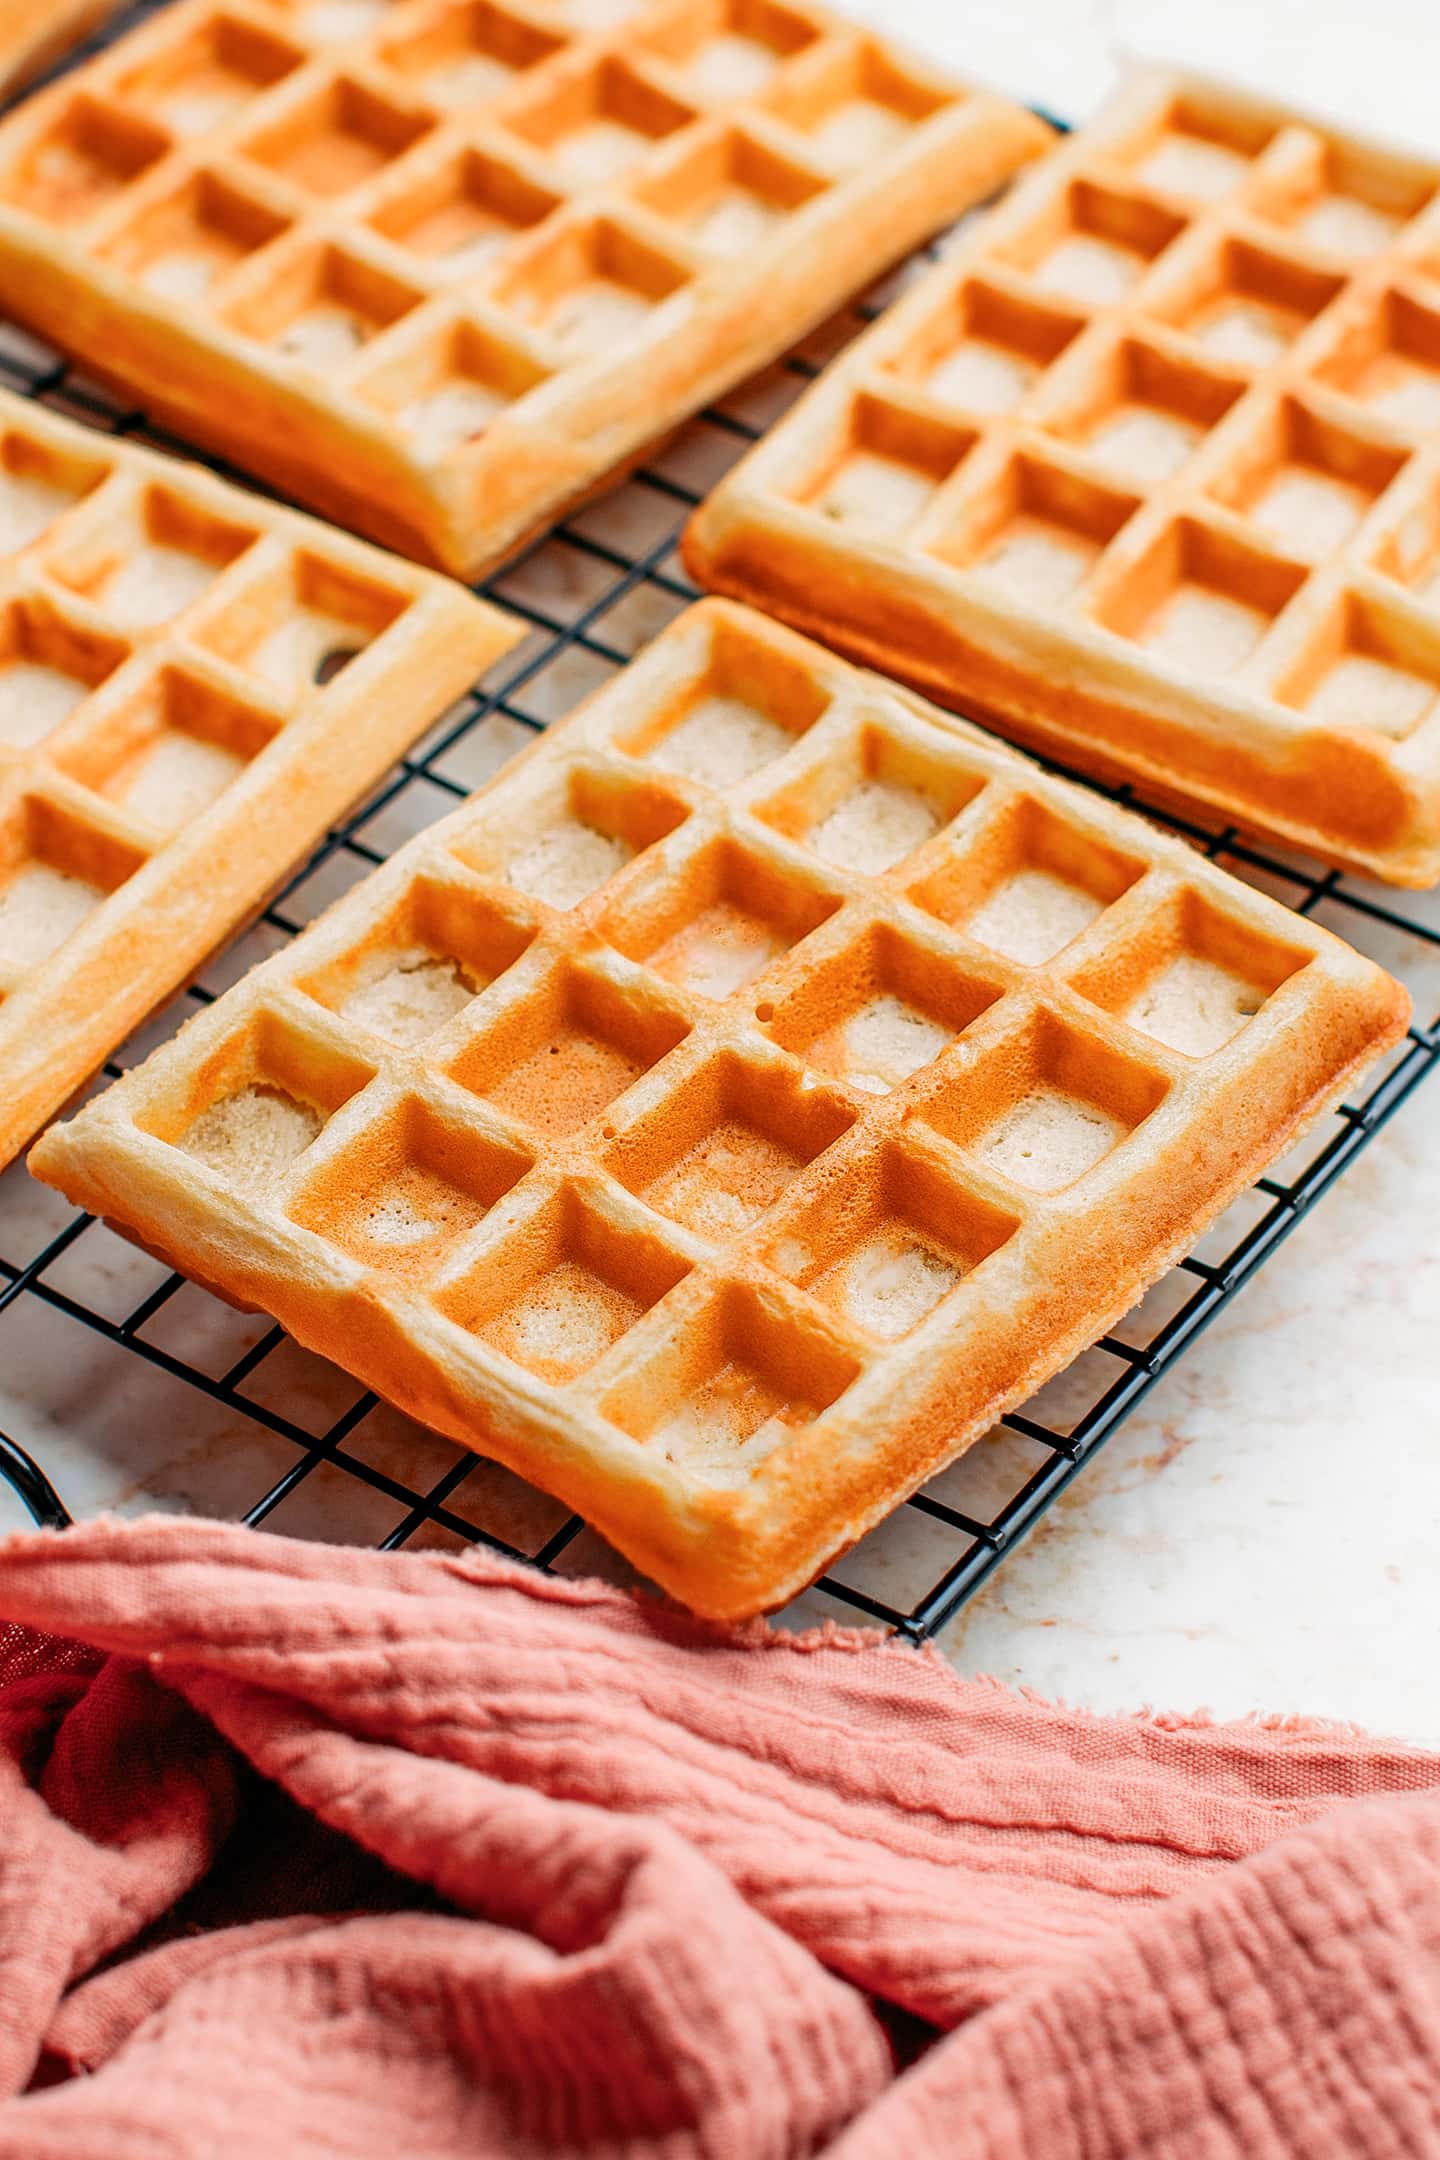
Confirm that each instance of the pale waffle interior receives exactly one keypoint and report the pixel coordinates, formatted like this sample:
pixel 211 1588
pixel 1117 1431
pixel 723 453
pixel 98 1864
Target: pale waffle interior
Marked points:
pixel 460 257
pixel 1147 470
pixel 193 683
pixel 739 1103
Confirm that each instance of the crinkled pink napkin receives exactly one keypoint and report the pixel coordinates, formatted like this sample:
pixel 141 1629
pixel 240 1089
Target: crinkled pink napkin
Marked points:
pixel 324 1852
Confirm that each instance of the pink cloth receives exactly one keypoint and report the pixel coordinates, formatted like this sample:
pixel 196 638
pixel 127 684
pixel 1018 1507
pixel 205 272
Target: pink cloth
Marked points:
pixel 343 1854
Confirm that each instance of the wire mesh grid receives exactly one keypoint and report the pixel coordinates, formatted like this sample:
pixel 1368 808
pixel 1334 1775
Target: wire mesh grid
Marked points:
pixel 222 1414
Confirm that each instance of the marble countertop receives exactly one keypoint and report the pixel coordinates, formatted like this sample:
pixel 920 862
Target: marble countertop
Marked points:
pixel 1259 1536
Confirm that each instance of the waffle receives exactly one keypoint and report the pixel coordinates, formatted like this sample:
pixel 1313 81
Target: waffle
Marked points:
pixel 737 1105
pixel 35 32
pixel 437 266
pixel 1147 473
pixel 171 738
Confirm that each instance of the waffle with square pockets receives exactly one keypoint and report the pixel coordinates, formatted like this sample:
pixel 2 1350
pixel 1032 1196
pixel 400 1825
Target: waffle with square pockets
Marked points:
pixel 36 32
pixel 1147 473
pixel 437 266
pixel 756 1089
pixel 175 727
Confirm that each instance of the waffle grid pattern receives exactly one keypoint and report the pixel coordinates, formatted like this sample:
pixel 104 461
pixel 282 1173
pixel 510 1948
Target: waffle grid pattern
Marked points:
pixel 408 256
pixel 588 590
pixel 882 1067
pixel 1172 413
pixel 168 655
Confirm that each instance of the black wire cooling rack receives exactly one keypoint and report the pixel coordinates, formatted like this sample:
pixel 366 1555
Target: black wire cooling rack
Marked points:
pixel 233 1419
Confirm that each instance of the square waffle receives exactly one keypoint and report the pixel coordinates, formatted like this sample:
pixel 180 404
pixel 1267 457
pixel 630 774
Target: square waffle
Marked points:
pixel 437 266
pixel 175 728
pixel 35 32
pixel 737 1105
pixel 1147 473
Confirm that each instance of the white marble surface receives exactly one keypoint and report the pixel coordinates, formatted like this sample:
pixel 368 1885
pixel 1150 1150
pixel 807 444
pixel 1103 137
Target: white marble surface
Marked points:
pixel 1263 1534
pixel 1373 66
pixel 1260 1536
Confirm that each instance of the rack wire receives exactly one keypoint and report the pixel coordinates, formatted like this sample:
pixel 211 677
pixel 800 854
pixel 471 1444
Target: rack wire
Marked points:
pixel 286 1441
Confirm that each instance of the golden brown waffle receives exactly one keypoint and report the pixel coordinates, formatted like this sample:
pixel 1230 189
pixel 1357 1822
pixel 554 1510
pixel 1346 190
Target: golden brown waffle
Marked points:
pixel 437 266
pixel 1148 474
pixel 35 32
pixel 171 740
pixel 738 1104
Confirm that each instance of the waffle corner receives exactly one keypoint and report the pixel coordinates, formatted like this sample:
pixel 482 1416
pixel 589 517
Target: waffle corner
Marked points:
pixel 193 684
pixel 409 262
pixel 1146 473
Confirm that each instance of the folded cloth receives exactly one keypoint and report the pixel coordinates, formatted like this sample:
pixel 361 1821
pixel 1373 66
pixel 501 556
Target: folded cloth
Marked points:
pixel 317 1851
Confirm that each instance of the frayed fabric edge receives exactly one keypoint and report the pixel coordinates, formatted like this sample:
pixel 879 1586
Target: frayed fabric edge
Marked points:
pixel 481 1563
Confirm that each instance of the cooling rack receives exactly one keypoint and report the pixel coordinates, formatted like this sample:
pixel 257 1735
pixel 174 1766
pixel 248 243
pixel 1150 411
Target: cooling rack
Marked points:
pixel 224 1415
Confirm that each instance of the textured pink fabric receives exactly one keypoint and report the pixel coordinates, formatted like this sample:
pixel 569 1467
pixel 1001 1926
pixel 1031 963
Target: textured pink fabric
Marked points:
pixel 327 1852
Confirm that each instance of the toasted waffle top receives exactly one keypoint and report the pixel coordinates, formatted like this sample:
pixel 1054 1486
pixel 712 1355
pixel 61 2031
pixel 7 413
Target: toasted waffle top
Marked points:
pixel 35 32
pixel 738 1104
pixel 175 727
pixel 1148 472
pixel 438 265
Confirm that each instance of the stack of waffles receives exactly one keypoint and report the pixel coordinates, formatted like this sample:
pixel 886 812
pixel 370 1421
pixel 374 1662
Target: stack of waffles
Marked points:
pixel 175 726
pixel 437 266
pixel 1148 473
pixel 754 1091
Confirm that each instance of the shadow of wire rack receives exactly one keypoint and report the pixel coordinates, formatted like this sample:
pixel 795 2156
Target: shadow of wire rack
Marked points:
pixel 273 1436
